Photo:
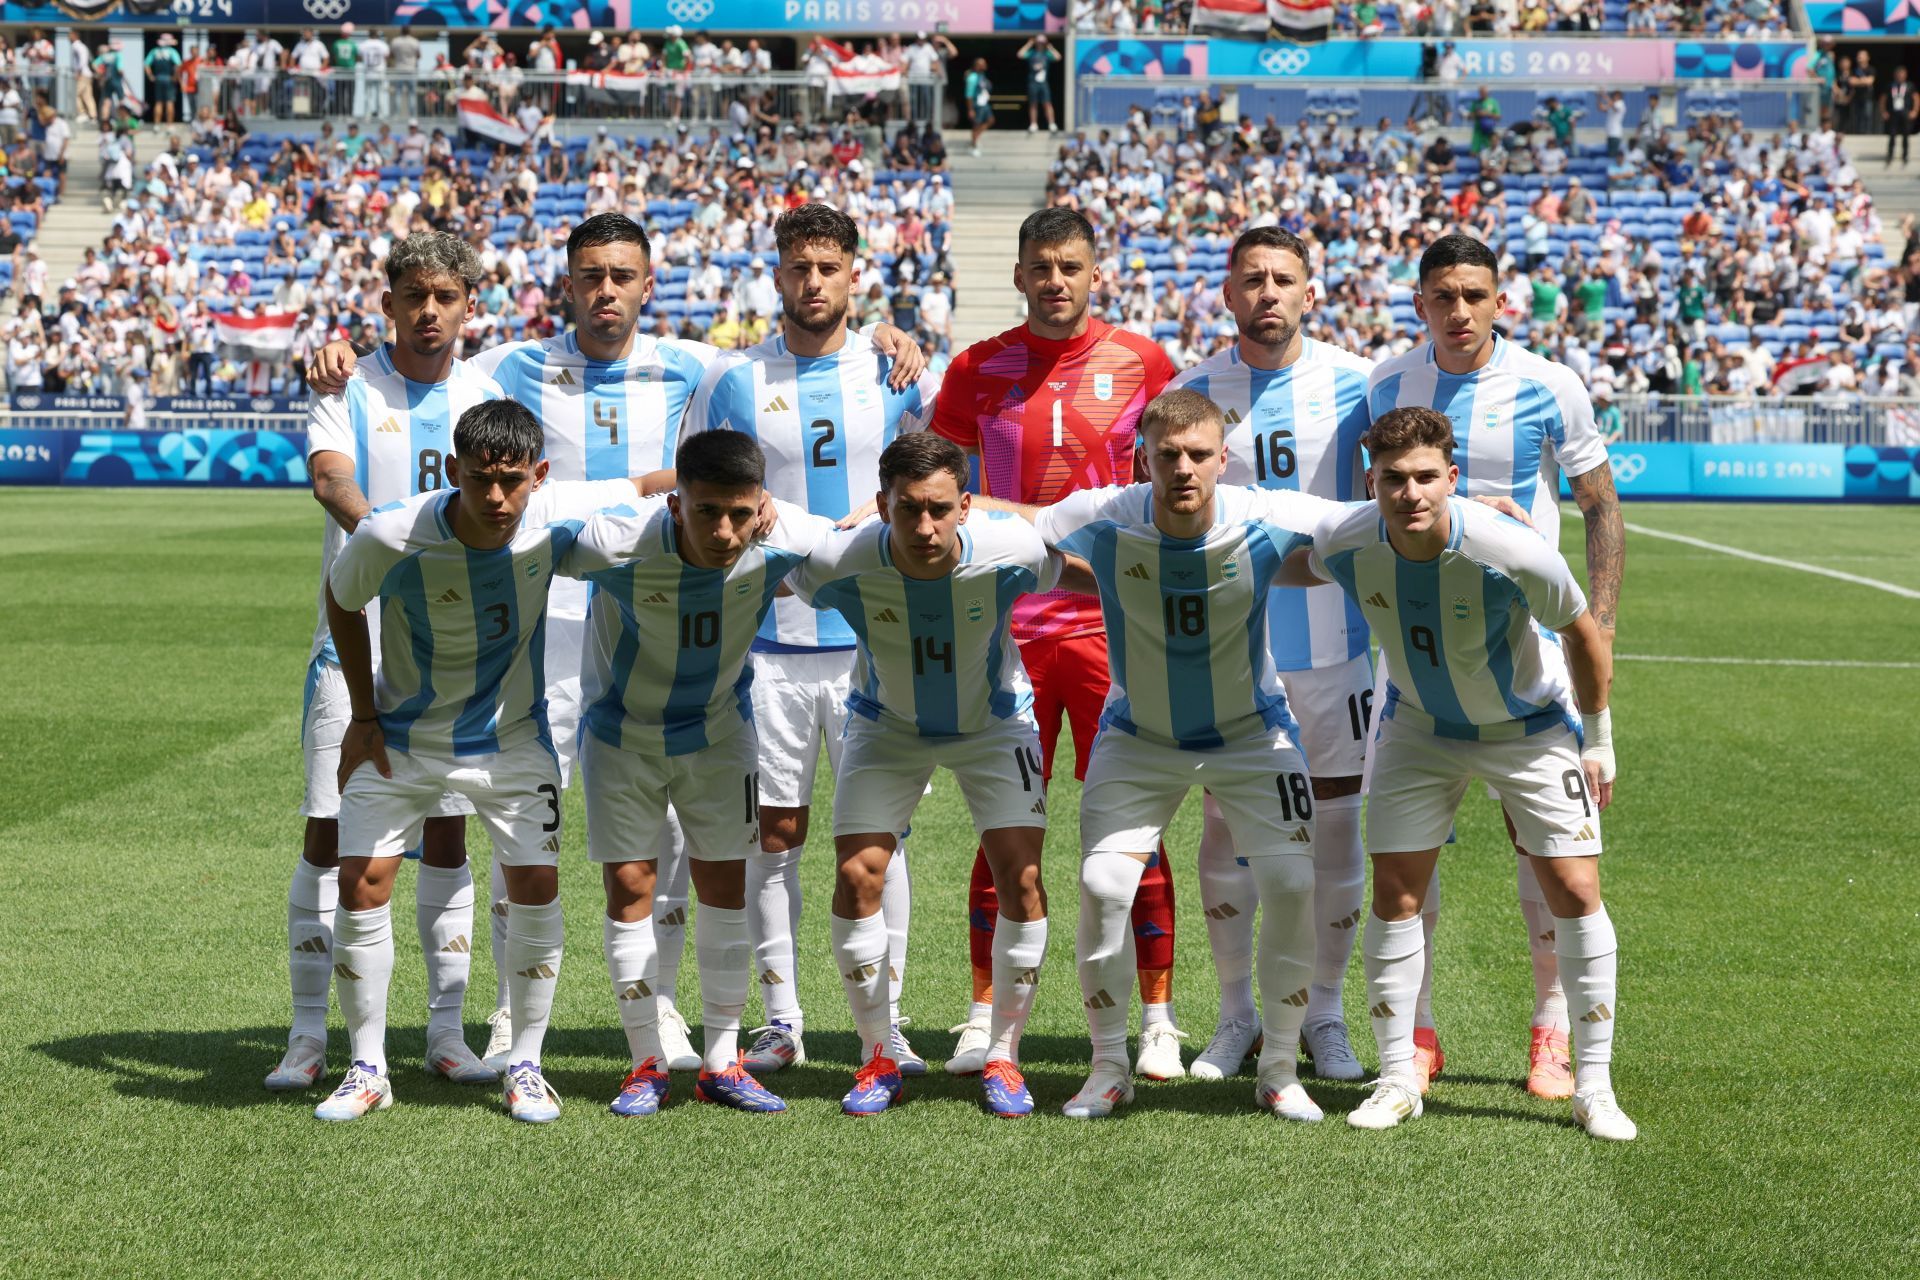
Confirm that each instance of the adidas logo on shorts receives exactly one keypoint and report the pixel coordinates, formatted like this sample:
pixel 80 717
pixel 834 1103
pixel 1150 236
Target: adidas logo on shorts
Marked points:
pixel 1039 807
pixel 1586 831
pixel 1299 836
pixel 552 845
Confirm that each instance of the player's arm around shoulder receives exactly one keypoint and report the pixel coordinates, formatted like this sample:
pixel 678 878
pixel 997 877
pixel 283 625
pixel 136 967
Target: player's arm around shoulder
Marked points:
pixel 1061 525
pixel 1303 560
pixel 612 537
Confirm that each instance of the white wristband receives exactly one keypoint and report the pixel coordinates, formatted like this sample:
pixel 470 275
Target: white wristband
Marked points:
pixel 1597 731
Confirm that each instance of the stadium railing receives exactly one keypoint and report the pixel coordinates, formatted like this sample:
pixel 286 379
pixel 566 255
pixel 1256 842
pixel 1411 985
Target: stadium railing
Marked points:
pixel 1845 420
pixel 433 97
pixel 118 420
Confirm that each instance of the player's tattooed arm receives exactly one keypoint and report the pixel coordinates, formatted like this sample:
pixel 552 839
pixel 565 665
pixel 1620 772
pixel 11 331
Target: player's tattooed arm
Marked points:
pixel 1606 543
pixel 335 488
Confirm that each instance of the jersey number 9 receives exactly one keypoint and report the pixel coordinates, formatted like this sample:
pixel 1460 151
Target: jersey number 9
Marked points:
pixel 1421 640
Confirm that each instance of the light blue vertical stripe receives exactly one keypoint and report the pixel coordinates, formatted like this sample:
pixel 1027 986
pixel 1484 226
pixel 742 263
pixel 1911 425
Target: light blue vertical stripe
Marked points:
pixel 312 682
pixel 1386 395
pixel 696 668
pixel 407 588
pixel 1420 580
pixel 1455 397
pixel 1099 546
pixel 1008 586
pixel 357 419
pixel 936 684
pixel 608 431
pixel 1532 412
pixel 427 426
pixel 1497 596
pixel 684 373
pixel 616 589
pixel 490 580
pixel 823 434
pixel 1189 658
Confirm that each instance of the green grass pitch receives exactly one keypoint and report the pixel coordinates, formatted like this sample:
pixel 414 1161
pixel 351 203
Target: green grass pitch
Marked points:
pixel 1761 870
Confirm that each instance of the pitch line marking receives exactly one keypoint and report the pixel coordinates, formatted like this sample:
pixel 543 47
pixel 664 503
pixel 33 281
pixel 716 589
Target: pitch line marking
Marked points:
pixel 1768 662
pixel 1891 588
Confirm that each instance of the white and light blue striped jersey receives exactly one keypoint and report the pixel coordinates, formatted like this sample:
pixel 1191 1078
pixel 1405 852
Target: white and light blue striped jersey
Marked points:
pixel 1297 428
pixel 1518 422
pixel 399 434
pixel 936 657
pixel 1186 618
pixel 667 668
pixel 462 645
pixel 1467 656
pixel 603 419
pixel 822 422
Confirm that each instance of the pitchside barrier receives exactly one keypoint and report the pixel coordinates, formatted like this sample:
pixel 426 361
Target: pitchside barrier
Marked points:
pixel 1772 450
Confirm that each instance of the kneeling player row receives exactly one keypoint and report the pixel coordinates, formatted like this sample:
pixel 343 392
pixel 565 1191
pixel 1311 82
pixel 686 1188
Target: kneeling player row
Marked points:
pixel 1183 571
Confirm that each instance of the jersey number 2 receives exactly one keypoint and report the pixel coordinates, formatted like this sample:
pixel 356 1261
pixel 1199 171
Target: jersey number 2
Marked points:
pixel 825 426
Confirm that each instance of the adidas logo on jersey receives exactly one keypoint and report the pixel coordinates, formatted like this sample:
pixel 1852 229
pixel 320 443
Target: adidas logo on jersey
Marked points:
pixel 1298 999
pixel 776 405
pixel 1039 807
pixel 449 596
pixel 562 379
pixel 391 424
pixel 1599 1013
pixel 636 990
pixel 552 845
pixel 886 615
pixel 538 971
pixel 458 947
pixel 313 946
pixel 1137 570
pixel 862 973
pixel 1233 416
pixel 1225 911
pixel 772 979
pixel 1100 1000
pixel 1300 836
pixel 344 970
pixel 1381 1010
pixel 1377 600
pixel 1348 921
pixel 1586 831
pixel 658 597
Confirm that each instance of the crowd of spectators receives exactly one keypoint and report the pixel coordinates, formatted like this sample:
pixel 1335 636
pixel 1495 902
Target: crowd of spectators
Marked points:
pixel 1477 18
pixel 1698 258
pixel 220 222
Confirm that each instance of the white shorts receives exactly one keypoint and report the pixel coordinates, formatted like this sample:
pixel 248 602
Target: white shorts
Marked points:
pixel 565 652
pixel 515 793
pixel 324 716
pixel 884 773
pixel 1419 780
pixel 1333 706
pixel 1134 787
pixel 713 791
pixel 799 706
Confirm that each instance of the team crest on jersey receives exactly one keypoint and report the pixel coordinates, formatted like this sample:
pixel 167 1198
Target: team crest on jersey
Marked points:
pixel 532 569
pixel 742 587
pixel 1230 568
pixel 1313 406
pixel 1103 386
pixel 860 396
pixel 1461 608
pixel 976 609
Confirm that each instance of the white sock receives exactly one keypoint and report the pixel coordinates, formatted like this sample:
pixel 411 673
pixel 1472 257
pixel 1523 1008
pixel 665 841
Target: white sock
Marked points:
pixel 1018 948
pixel 896 907
pixel 1587 949
pixel 1108 883
pixel 773 902
pixel 363 965
pixel 670 896
pixel 630 965
pixel 497 926
pixel 979 1011
pixel 1549 997
pixel 536 935
pixel 312 899
pixel 1339 902
pixel 1395 955
pixel 1429 926
pixel 726 971
pixel 1229 899
pixel 1286 886
pixel 443 912
pixel 1151 1014
pixel 860 949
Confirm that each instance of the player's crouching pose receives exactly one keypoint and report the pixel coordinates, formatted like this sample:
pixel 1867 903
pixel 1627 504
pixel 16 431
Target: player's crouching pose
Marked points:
pixel 937 681
pixel 1461 599
pixel 1184 571
pixel 681 587
pixel 462 580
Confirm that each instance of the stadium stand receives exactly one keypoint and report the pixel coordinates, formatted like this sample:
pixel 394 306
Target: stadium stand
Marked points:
pixel 1364 18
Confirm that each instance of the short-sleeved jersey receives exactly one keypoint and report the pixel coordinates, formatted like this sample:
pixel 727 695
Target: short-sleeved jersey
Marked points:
pixel 666 669
pixel 1297 428
pixel 603 419
pixel 1466 635
pixel 462 641
pixel 399 434
pixel 1518 422
pixel 1049 419
pixel 822 422
pixel 936 657
pixel 1186 618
